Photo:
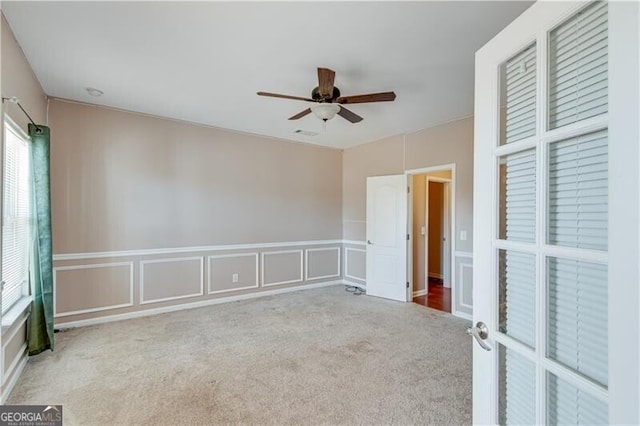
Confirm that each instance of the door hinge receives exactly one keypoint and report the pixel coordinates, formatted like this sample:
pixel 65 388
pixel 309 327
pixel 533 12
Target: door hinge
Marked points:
pixel 408 190
pixel 407 284
pixel 407 237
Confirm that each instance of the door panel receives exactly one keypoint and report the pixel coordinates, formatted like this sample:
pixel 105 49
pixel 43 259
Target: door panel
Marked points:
pixel 542 227
pixel 386 241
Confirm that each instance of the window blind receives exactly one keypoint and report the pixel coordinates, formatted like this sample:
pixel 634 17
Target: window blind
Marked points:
pixel 578 192
pixel 521 95
pixel 577 317
pixel 518 296
pixel 517 389
pixel 520 196
pixel 16 219
pixel 578 63
pixel 568 405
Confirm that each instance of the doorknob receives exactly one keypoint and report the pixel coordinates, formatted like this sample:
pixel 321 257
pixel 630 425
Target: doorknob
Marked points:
pixel 369 242
pixel 480 332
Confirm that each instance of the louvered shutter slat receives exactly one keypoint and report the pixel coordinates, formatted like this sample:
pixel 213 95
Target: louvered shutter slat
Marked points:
pixel 578 75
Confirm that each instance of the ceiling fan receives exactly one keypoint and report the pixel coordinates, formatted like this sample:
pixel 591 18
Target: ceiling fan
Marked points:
pixel 329 101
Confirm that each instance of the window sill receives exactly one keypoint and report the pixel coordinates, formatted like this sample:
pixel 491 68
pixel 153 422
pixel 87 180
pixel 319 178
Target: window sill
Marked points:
pixel 16 311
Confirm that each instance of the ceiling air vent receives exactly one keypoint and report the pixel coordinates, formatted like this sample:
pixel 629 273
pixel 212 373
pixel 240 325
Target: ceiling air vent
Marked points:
pixel 306 133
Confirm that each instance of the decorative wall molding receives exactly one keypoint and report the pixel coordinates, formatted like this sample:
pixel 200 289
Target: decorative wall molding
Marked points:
pixel 195 249
pixel 467 254
pixel 18 356
pixel 170 260
pixel 346 263
pixel 8 386
pixel 57 314
pixel 461 268
pixel 223 256
pixel 306 261
pixel 192 305
pixel 263 266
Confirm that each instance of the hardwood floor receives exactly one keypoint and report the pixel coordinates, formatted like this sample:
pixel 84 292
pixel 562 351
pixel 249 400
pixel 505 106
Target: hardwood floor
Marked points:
pixel 439 297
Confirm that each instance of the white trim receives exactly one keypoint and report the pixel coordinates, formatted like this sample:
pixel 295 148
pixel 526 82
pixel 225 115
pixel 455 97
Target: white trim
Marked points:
pixel 178 250
pixel 15 127
pixel 192 305
pixel 16 311
pixel 306 261
pixel 419 293
pixel 8 387
pixel 466 254
pixel 56 314
pixel 436 276
pixel 452 223
pixel 19 355
pixel 210 268
pixel 439 168
pixel 346 263
pixel 354 242
pixel 169 260
pixel 266 253
pixel 463 315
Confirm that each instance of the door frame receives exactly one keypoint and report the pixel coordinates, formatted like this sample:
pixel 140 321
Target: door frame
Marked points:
pixel 451 167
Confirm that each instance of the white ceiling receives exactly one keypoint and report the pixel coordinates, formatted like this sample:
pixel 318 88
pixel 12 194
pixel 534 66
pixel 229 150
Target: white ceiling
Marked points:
pixel 204 62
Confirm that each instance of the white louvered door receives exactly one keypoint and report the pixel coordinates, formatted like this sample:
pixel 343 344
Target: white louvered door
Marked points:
pixel 542 219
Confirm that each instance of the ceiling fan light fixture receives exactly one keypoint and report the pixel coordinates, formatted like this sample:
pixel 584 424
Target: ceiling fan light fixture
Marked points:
pixel 325 111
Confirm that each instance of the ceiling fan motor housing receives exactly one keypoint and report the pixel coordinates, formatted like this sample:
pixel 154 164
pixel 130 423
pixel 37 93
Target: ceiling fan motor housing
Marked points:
pixel 316 96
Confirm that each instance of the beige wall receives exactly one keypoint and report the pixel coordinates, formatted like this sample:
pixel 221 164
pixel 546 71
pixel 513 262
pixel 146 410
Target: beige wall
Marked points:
pixel 449 143
pixel 123 181
pixel 17 79
pixel 152 213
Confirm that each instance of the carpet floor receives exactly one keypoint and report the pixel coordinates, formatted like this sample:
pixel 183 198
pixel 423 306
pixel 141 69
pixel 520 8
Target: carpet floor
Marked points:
pixel 321 356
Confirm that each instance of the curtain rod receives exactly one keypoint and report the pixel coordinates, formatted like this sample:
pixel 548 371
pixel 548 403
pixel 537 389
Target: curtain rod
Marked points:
pixel 16 101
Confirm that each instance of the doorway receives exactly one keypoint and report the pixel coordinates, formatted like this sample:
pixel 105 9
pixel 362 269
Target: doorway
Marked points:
pixel 430 246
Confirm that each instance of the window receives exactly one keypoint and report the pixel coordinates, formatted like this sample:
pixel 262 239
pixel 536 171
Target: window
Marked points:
pixel 16 215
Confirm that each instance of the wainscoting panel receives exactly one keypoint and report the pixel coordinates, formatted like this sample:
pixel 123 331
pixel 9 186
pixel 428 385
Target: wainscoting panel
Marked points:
pixel 14 347
pixel 355 267
pixel 282 267
pixel 463 298
pixel 100 286
pixel 89 288
pixel 170 279
pixel 232 272
pixel 322 263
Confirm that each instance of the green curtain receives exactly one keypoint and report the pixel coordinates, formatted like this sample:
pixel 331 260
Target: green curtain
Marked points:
pixel 41 319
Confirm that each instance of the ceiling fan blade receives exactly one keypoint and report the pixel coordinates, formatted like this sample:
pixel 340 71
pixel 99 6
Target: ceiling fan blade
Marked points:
pixel 300 114
pixel 349 115
pixel 277 95
pixel 326 78
pixel 370 97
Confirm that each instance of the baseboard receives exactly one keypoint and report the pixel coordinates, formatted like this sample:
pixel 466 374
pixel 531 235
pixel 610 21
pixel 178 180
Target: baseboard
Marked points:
pixel 193 305
pixel 418 293
pixel 436 276
pixel 8 387
pixel 463 315
pixel 354 284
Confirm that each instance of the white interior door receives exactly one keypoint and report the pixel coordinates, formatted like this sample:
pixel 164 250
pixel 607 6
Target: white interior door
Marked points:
pixel 386 237
pixel 548 208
